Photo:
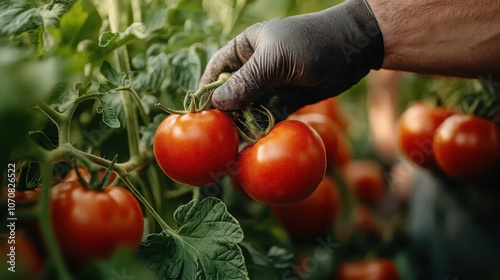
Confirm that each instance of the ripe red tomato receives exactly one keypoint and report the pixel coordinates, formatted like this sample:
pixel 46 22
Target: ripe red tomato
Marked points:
pixel 338 151
pixel 25 258
pixel 417 125
pixel 366 180
pixel 285 166
pixel 328 108
pixel 373 269
pixel 92 224
pixel 314 215
pixel 84 172
pixel 466 147
pixel 196 149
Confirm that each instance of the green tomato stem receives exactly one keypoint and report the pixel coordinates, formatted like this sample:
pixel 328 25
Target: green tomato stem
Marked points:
pixel 62 121
pixel 154 185
pixel 146 193
pixel 196 194
pixel 206 88
pixel 132 124
pixel 170 111
pixel 136 10
pixel 43 208
pixel 148 206
pixel 138 102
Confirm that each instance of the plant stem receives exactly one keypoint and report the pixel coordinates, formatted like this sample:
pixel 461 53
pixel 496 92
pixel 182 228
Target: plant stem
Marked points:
pixel 136 10
pixel 206 88
pixel 134 163
pixel 62 121
pixel 121 57
pixel 154 185
pixel 132 124
pixel 52 114
pixel 148 206
pixel 138 102
pixel 43 208
pixel 196 194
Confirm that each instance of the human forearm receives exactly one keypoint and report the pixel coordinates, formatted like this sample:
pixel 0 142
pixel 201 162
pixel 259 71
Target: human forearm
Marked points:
pixel 460 38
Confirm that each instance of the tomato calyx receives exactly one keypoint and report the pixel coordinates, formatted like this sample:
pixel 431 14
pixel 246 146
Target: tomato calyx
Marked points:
pixel 199 100
pixel 250 124
pixel 95 183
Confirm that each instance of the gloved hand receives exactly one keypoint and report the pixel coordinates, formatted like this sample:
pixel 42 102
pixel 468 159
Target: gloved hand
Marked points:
pixel 294 61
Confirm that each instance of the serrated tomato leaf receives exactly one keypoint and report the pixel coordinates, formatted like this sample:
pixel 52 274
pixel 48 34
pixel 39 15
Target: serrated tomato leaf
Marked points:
pixel 113 40
pixel 113 76
pixel 17 17
pixel 259 266
pixel 205 246
pixel 109 117
pixel 148 132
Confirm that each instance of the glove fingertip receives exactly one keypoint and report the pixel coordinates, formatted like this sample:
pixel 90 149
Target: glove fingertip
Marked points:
pixel 224 100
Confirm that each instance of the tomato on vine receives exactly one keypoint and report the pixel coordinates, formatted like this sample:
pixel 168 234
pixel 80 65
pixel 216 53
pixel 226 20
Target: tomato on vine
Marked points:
pixel 417 126
pixel 373 269
pixel 329 108
pixel 366 179
pixel 338 150
pixel 466 146
pixel 284 165
pixel 196 147
pixel 92 224
pixel 314 215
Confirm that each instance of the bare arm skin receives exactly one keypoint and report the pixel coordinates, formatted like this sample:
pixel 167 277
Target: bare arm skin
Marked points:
pixel 444 37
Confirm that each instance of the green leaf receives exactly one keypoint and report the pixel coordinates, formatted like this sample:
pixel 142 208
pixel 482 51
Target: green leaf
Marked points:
pixel 82 90
pixel 113 40
pixel 17 17
pixel 79 23
pixel 108 116
pixel 57 93
pixel 204 246
pixel 148 132
pixel 187 68
pixel 67 102
pixel 104 88
pixel 280 257
pixel 42 139
pixel 155 20
pixel 30 176
pixel 113 76
pixel 106 38
pixel 259 266
pixel 155 74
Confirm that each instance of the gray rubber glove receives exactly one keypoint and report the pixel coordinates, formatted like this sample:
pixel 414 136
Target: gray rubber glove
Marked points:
pixel 294 61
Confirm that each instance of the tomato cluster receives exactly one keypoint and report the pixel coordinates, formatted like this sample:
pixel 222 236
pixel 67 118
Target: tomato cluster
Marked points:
pixel 283 166
pixel 463 146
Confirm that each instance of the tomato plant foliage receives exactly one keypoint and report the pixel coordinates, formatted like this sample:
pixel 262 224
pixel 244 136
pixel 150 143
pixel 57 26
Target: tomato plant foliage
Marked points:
pixel 205 244
pixel 78 83
pixel 82 77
